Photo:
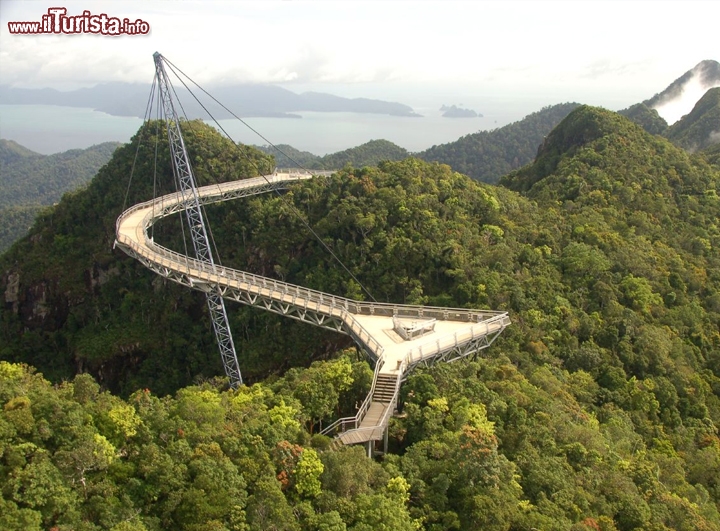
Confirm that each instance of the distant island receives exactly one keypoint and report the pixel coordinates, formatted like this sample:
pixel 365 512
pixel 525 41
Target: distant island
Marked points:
pixel 246 100
pixel 453 111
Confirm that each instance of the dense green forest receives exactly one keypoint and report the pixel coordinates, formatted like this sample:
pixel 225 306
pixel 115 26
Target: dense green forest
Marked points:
pixel 597 409
pixel 31 180
pixel 647 118
pixel 488 155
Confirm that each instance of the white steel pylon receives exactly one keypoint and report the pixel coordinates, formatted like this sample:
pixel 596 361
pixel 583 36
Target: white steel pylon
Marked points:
pixel 185 181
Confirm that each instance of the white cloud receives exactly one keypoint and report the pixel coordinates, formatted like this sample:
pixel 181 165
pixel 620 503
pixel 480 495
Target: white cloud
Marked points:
pixel 674 109
pixel 557 47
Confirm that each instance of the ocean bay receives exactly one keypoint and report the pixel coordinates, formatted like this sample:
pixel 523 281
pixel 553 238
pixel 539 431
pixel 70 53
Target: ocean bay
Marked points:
pixel 50 129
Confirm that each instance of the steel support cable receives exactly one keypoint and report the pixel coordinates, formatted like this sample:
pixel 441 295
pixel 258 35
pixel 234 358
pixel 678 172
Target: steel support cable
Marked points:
pixel 148 109
pixel 173 68
pixel 157 142
pixel 292 208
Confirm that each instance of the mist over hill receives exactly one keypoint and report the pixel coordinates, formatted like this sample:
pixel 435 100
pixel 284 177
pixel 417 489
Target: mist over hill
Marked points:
pixel 700 128
pixel 681 95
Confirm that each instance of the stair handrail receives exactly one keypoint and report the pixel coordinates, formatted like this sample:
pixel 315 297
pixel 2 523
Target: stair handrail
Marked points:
pixel 357 418
pixel 383 420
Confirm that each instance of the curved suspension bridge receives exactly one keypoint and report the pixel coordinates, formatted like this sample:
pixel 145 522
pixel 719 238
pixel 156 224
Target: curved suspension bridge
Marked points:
pixel 396 337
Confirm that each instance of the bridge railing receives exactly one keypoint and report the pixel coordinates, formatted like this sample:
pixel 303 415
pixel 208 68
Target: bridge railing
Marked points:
pixel 300 297
pixel 317 301
pixel 356 307
pixel 454 340
pixel 376 432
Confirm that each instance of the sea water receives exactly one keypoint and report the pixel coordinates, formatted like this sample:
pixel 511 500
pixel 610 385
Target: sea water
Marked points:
pixel 50 129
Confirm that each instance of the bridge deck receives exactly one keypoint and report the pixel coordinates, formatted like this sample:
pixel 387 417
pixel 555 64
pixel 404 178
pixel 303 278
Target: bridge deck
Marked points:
pixel 457 332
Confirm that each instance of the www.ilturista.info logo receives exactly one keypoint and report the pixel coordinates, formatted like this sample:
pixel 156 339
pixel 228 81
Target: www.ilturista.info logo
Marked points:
pixel 58 22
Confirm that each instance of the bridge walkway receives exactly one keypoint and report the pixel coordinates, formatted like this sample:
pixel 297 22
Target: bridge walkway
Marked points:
pixel 397 337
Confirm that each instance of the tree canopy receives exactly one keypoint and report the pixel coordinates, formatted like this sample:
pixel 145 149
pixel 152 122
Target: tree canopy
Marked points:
pixel 597 409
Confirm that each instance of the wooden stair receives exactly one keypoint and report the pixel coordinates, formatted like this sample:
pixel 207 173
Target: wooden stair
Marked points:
pixel 384 388
pixel 374 423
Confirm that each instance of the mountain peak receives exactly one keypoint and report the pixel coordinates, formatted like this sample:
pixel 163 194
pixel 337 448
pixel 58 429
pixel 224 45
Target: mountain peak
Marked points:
pixel 582 126
pixel 680 96
pixel 700 128
pixel 588 134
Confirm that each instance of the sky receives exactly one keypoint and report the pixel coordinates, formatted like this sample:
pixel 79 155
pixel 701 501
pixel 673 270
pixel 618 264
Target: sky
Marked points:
pixel 611 53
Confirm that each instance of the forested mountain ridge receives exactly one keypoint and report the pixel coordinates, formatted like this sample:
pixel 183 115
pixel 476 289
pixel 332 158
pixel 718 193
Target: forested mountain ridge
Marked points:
pixel 30 177
pixel 31 180
pixel 368 154
pixel 598 409
pixel 647 118
pixel 11 151
pixel 488 155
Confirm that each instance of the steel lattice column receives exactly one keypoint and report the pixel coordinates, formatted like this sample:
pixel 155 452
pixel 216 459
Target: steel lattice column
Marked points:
pixel 188 188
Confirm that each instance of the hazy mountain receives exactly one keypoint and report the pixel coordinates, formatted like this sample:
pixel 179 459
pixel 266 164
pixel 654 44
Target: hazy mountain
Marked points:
pixel 11 151
pixel 128 99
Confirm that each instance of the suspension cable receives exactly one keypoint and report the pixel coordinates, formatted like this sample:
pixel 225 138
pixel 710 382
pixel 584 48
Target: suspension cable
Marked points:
pixel 288 204
pixel 276 148
pixel 157 142
pixel 148 110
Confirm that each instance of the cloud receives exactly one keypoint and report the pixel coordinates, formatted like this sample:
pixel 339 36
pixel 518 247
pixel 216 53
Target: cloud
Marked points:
pixel 691 91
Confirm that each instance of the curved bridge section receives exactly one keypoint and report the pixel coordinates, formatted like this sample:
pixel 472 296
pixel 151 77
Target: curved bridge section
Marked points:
pixel 397 337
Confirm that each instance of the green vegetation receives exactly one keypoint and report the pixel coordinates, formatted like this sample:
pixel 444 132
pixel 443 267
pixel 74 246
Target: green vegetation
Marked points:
pixel 287 156
pixel 31 181
pixel 15 221
pixel 598 409
pixel 72 304
pixel 488 155
pixel 647 118
pixel 368 154
pixel 712 154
